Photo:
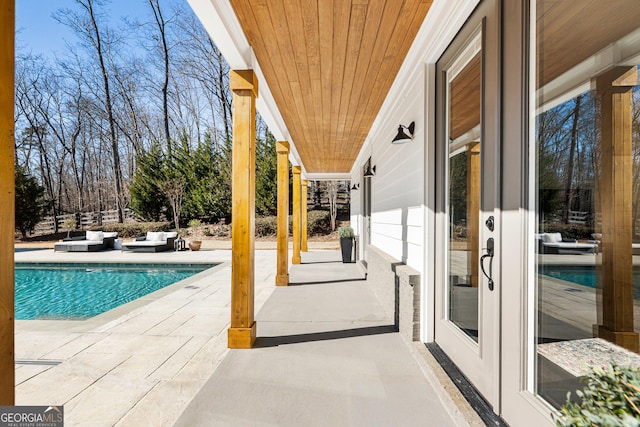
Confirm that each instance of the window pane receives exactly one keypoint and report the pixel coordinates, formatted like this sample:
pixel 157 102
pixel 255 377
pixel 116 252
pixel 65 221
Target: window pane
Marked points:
pixel 587 174
pixel 464 105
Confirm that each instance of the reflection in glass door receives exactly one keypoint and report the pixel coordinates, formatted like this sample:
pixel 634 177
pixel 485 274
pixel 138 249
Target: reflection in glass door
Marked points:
pixel 463 195
pixel 586 173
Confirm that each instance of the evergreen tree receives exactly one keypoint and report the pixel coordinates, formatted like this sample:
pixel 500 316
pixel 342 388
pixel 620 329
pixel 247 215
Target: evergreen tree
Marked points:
pixel 147 198
pixel 30 201
pixel 266 176
pixel 206 197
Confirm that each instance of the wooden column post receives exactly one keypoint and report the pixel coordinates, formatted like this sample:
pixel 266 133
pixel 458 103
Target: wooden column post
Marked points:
pixel 297 205
pixel 282 274
pixel 244 86
pixel 473 210
pixel 7 203
pixel 304 213
pixel 615 302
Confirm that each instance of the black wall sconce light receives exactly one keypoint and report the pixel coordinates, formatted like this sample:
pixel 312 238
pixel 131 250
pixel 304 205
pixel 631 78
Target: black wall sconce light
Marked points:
pixel 402 137
pixel 369 172
pixel 355 187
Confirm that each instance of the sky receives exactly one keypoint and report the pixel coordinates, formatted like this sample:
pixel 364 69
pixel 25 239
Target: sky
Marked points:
pixel 38 32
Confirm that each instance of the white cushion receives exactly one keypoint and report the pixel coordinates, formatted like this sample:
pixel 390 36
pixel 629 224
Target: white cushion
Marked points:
pixel 170 234
pixel 95 236
pixel 552 237
pixel 110 234
pixel 155 236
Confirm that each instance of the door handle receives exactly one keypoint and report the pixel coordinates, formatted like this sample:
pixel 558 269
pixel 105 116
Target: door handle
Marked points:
pixel 489 254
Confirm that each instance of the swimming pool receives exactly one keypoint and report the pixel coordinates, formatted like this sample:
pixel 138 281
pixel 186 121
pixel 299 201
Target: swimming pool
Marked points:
pixel 80 291
pixel 583 275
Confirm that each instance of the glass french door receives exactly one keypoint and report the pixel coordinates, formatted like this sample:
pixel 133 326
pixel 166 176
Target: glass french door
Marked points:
pixel 570 299
pixel 467 228
pixel 584 193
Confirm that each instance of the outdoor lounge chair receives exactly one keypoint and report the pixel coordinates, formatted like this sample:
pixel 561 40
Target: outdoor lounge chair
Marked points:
pixel 554 243
pixel 154 241
pixel 91 241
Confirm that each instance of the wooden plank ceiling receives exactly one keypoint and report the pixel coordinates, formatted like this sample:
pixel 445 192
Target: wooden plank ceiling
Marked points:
pixel 571 31
pixel 329 65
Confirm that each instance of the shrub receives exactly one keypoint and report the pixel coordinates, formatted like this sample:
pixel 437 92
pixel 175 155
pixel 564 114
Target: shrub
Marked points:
pixel 611 398
pixel 194 223
pixel 266 226
pixel 222 230
pixel 133 229
pixel 346 232
pixel 319 222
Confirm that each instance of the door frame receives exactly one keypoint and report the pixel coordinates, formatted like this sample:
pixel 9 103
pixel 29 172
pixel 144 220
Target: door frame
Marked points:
pixel 520 405
pixel 479 362
pixel 366 209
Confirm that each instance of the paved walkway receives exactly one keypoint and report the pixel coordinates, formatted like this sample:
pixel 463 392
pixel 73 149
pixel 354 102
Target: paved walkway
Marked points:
pixel 139 364
pixel 326 355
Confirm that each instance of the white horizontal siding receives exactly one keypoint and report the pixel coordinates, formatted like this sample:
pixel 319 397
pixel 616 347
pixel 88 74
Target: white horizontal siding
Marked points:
pixel 393 231
pixel 415 258
pixel 415 225
pixel 397 189
pixel 393 247
pixel 415 216
pixel 393 216
pixel 414 235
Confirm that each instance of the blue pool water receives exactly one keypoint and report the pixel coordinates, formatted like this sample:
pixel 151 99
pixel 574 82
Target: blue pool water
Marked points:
pixel 583 275
pixel 80 291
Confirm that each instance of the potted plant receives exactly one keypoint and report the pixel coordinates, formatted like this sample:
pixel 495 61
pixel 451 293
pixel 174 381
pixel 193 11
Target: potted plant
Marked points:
pixel 346 235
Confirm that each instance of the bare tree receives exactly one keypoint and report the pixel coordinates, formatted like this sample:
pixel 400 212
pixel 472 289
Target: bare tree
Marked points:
pixel 570 163
pixel 162 35
pixel 98 42
pixel 32 102
pixel 202 61
pixel 174 189
pixel 331 187
pixel 132 120
pixel 83 119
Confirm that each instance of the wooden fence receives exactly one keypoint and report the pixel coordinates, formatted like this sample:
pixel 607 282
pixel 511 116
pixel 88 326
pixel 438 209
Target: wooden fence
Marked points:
pixel 84 220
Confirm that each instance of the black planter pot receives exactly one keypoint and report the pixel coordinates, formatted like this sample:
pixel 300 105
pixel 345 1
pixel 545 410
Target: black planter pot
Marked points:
pixel 346 245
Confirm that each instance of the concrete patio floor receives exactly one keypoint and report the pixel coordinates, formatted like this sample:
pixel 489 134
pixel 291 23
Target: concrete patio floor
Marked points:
pixel 326 354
